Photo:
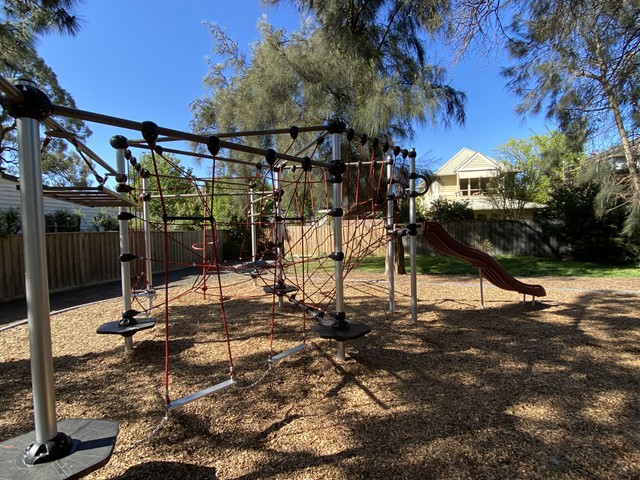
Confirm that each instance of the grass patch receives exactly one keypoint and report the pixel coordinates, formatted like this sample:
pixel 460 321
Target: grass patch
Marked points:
pixel 516 266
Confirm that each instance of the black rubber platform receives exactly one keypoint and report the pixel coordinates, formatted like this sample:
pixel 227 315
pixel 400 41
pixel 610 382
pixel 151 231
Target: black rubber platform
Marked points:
pixel 116 327
pixel 281 290
pixel 93 443
pixel 354 330
pixel 257 264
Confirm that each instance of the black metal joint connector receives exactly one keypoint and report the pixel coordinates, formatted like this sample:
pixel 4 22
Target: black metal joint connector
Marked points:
pixel 306 164
pixel 120 142
pixel 336 169
pixel 270 157
pixel 35 103
pixel 150 132
pixel 336 212
pixel 336 126
pixel 337 256
pixel 213 145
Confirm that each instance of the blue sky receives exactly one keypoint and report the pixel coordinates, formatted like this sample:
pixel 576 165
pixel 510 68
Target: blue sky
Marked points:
pixel 144 60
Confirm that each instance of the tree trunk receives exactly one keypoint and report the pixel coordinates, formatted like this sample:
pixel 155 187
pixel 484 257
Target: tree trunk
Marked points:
pixel 398 260
pixel 399 254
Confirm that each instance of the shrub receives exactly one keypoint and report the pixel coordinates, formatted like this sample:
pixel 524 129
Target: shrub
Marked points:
pixel 103 222
pixel 10 221
pixel 443 210
pixel 570 217
pixel 63 220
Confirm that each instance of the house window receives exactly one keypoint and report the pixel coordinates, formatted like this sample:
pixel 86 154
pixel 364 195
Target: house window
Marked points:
pixel 473 186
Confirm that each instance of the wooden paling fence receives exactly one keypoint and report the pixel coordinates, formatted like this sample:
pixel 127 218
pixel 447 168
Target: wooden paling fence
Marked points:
pixel 89 258
pixel 505 237
pixel 357 236
pixel 493 237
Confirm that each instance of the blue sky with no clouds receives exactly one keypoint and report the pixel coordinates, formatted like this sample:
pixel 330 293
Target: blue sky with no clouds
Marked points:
pixel 144 60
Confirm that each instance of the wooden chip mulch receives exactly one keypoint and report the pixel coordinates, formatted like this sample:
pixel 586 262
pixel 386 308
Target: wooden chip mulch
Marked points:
pixel 510 391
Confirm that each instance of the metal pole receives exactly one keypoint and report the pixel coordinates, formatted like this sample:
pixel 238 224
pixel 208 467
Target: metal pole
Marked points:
pixel 279 232
pixel 125 267
pixel 254 233
pixel 413 235
pixel 390 245
pixel 337 239
pixel 53 453
pixel 481 289
pixel 36 281
pixel 186 136
pixel 147 243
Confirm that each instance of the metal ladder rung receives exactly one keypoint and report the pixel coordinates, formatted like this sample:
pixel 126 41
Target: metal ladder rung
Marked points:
pixel 202 393
pixel 286 353
pixel 144 293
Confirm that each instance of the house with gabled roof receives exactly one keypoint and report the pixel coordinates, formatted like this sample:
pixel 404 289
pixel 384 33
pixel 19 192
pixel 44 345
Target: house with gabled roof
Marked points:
pixel 466 177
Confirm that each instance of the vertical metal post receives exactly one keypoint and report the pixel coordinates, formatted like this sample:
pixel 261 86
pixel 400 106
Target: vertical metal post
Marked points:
pixel 36 281
pixel 147 242
pixel 254 232
pixel 481 288
pixel 279 232
pixel 390 242
pixel 412 235
pixel 125 267
pixel 337 239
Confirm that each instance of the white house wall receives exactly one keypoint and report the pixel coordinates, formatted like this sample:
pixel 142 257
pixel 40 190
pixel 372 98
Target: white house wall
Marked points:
pixel 10 197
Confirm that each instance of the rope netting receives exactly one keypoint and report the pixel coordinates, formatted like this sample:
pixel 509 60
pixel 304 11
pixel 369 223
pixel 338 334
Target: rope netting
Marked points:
pixel 288 233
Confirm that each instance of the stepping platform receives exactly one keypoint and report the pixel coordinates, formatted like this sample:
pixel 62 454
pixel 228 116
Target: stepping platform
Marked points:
pixel 257 264
pixel 348 330
pixel 93 443
pixel 253 268
pixel 128 328
pixel 280 289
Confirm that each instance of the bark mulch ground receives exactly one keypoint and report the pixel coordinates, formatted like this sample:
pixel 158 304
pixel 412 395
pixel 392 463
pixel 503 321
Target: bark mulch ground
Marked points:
pixel 514 390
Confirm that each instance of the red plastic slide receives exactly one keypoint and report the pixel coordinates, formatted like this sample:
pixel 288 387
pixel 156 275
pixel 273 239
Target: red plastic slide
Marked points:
pixel 440 239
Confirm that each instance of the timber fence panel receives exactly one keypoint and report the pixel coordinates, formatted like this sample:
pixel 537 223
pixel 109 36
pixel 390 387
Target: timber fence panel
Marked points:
pixel 506 237
pixel 358 237
pixel 88 258
pixel 11 267
pixel 81 259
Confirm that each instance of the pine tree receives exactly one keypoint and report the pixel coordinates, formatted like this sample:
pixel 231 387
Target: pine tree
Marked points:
pixel 22 23
pixel 579 61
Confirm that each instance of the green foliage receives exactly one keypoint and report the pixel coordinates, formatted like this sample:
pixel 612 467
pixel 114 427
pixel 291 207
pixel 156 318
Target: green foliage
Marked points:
pixel 529 169
pixel 444 210
pixel 369 70
pixel 578 60
pixel 10 221
pixel 103 222
pixel 361 62
pixel 22 23
pixel 63 220
pixel 176 184
pixel 543 160
pixel 238 244
pixel 569 216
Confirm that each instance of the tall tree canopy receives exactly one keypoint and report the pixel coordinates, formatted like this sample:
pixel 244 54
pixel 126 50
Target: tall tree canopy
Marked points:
pixel 362 61
pixel 582 58
pixel 578 61
pixel 22 23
